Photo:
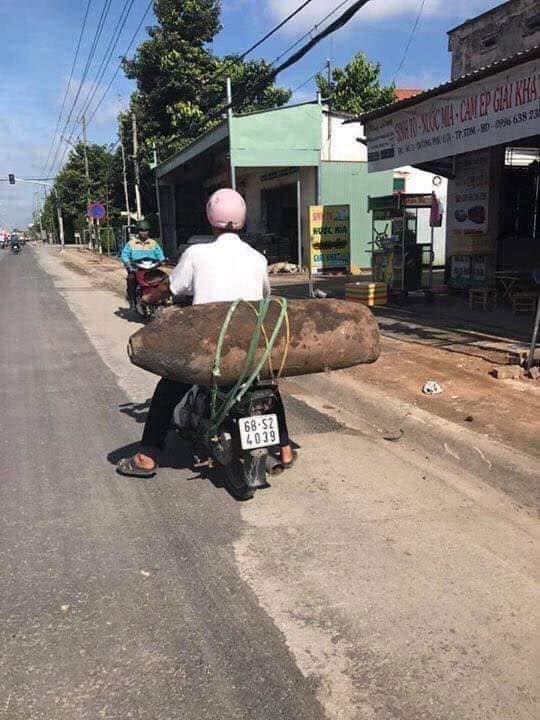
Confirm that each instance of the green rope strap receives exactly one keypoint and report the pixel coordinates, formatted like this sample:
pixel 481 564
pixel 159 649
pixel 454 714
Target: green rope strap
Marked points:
pixel 251 370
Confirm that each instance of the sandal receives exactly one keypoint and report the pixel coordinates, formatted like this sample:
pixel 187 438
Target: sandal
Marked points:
pixel 128 467
pixel 288 466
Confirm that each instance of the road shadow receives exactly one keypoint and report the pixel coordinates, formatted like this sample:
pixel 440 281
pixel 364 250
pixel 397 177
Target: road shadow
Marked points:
pixel 177 455
pixel 130 315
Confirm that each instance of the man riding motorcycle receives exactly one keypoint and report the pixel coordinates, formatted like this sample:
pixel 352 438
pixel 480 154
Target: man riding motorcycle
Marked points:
pixel 225 270
pixel 138 248
pixel 14 243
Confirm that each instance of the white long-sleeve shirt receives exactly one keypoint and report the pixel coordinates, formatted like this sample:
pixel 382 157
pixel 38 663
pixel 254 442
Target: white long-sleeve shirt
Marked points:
pixel 225 270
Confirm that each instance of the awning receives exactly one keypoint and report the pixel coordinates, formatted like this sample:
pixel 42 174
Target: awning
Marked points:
pixel 497 104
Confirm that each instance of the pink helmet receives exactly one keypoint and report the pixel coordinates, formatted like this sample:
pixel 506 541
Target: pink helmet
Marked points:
pixel 226 210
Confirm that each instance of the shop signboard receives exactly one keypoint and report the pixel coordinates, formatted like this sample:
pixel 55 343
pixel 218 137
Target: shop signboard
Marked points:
pixel 468 197
pixel 330 238
pixel 416 201
pixel 498 109
pixel 468 206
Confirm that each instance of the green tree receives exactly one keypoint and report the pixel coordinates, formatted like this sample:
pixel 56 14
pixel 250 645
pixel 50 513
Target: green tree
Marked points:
pixel 71 189
pixel 251 79
pixel 356 88
pixel 179 80
pixel 171 69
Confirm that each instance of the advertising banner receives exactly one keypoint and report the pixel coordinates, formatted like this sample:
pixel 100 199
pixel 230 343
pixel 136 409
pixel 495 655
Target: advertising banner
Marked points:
pixel 468 197
pixel 468 205
pixel 330 238
pixel 498 109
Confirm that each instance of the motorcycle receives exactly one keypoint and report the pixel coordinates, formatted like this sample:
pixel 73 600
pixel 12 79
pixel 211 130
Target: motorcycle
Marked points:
pixel 152 289
pixel 240 445
pixel 15 249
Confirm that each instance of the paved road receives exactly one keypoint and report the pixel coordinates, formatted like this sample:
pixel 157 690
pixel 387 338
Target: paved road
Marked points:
pixel 119 599
pixel 378 581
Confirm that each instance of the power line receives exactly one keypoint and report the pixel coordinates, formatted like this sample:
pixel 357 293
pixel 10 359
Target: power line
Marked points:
pixel 113 42
pixel 295 44
pixel 97 36
pixel 269 34
pixel 306 35
pixel 113 78
pixel 91 54
pixel 299 87
pixel 411 36
pixel 59 120
pixel 310 32
pixel 248 93
pixel 335 25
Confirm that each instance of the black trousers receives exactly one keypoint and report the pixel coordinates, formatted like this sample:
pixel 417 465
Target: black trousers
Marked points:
pixel 166 397
pixel 131 282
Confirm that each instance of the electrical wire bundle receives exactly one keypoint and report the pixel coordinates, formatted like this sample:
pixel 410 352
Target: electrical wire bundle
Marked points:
pixel 70 120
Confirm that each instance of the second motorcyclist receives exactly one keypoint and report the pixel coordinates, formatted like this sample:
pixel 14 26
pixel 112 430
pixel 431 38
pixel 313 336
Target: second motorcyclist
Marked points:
pixel 139 247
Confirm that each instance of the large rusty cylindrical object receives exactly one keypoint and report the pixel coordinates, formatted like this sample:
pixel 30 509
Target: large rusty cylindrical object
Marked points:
pixel 180 344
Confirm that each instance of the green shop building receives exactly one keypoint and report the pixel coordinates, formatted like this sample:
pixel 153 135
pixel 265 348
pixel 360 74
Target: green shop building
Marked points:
pixel 282 161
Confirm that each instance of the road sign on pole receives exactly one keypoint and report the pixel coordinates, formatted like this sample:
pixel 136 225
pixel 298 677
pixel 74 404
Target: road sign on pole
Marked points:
pixel 96 211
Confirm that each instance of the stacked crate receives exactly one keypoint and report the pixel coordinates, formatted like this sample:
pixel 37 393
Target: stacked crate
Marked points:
pixel 367 293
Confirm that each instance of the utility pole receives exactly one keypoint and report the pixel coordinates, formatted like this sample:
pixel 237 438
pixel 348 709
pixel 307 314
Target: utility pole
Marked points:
pixel 136 166
pixel 50 234
pixel 60 224
pixel 229 118
pixel 107 211
pixel 124 173
pixel 38 211
pixel 87 174
pixel 155 163
pixel 58 215
pixel 329 78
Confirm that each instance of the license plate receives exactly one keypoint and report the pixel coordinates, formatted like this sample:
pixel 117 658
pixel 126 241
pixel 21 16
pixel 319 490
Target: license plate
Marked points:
pixel 258 431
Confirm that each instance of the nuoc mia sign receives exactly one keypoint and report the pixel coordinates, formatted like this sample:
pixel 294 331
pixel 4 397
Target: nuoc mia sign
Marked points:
pixel 330 238
pixel 499 109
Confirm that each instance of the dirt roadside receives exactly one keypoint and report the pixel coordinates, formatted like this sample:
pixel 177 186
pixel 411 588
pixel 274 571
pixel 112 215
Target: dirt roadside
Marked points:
pixel 507 411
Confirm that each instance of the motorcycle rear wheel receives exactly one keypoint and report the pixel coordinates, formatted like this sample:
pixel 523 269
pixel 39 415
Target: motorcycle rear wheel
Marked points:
pixel 244 476
pixel 141 308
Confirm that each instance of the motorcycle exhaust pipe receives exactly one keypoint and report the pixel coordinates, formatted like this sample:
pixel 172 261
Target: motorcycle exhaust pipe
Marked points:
pixel 274 466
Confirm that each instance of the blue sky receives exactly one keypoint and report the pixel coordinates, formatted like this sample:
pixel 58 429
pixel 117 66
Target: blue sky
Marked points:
pixel 38 40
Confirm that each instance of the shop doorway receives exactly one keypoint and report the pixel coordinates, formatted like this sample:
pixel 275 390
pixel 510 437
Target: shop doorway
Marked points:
pixel 280 210
pixel 519 238
pixel 191 219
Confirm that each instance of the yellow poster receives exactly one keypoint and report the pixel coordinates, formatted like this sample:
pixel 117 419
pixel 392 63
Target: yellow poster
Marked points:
pixel 330 238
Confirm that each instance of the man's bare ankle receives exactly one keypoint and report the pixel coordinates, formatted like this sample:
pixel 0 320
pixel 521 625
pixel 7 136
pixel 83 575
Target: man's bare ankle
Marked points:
pixel 286 454
pixel 145 461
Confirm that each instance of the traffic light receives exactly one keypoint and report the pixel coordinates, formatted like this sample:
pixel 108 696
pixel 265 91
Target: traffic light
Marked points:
pixel 11 178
